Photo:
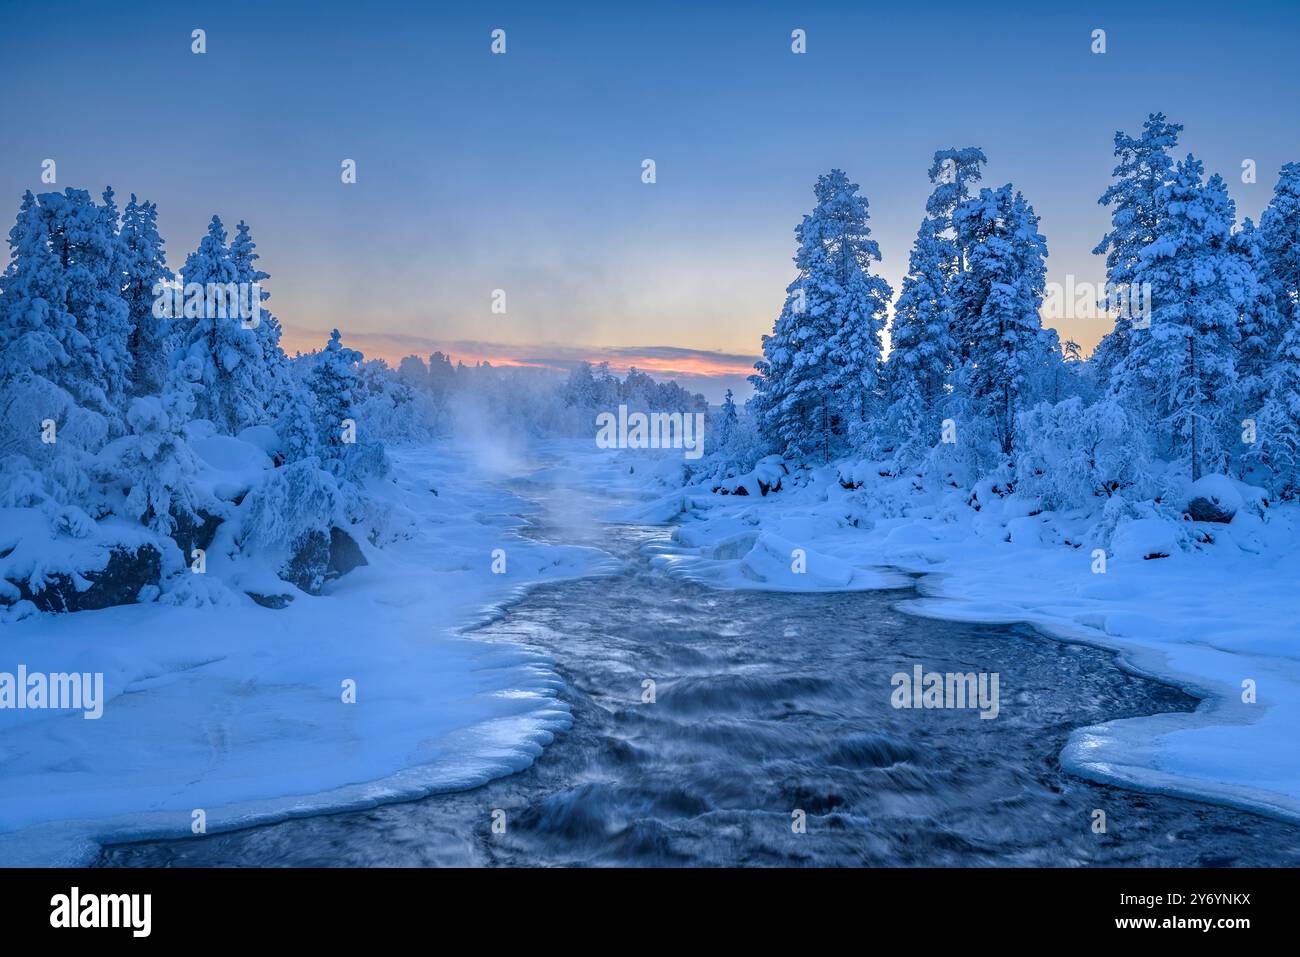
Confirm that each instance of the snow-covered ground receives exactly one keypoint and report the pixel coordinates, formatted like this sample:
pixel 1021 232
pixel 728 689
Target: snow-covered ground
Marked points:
pixel 238 710
pixel 1218 620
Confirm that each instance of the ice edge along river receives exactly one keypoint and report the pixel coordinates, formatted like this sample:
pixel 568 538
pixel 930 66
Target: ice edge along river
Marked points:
pixel 503 744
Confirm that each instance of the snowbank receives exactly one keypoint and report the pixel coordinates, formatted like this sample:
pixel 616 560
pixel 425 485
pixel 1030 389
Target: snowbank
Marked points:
pixel 238 710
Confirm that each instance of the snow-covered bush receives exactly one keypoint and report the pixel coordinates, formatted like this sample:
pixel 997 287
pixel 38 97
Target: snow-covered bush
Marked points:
pixel 296 428
pixel 294 500
pixel 154 469
pixel 733 446
pixel 1072 454
pixel 389 408
pixel 341 445
pixel 1141 530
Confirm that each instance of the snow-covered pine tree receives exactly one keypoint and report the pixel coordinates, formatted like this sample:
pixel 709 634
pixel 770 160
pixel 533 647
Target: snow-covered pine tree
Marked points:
pixel 84 239
pixel 220 357
pixel 37 332
pixel 55 410
pixel 1279 235
pixel 244 255
pixel 112 332
pixel 954 172
pixel 922 345
pixel 792 403
pixel 1181 371
pixel 579 389
pixel 1144 168
pixel 728 421
pixel 144 267
pixel 1259 328
pixel 996 304
pixel 861 308
pixel 37 337
pixel 333 383
pixel 296 427
pixel 820 373
pixel 1277 444
pixel 155 467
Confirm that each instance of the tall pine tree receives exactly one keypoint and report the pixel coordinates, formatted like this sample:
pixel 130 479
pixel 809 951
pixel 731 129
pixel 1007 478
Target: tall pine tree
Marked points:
pixel 1144 168
pixel 243 254
pixel 220 356
pixel 997 303
pixel 1181 371
pixel 1277 445
pixel 923 347
pixel 818 381
pixel 144 267
pixel 333 385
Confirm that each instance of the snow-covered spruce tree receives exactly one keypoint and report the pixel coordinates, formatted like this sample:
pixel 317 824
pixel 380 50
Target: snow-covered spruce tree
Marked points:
pixel 85 243
pixel 1181 371
pixel 111 335
pixel 922 348
pixel 333 384
pixel 154 468
pixel 220 357
pixel 244 255
pixel 296 426
pixel 819 380
pixel 996 304
pixel 37 332
pixel 1277 445
pixel 791 402
pixel 861 306
pixel 1279 236
pixel 728 420
pixel 144 266
pixel 1259 326
pixel 1144 167
pixel 50 420
pixel 922 345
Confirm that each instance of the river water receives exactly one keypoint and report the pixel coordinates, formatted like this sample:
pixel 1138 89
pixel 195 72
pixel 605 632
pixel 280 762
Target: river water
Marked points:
pixel 773 710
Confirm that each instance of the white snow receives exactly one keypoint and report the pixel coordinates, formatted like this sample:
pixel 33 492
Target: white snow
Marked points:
pixel 238 711
pixel 1217 489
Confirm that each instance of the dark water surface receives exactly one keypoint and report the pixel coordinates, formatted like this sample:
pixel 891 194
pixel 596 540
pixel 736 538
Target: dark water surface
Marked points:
pixel 767 704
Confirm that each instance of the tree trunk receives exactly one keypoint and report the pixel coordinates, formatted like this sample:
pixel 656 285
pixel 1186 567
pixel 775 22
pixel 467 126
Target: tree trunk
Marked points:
pixel 1196 454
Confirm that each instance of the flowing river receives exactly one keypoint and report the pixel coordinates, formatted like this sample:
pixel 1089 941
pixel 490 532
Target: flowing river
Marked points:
pixel 771 711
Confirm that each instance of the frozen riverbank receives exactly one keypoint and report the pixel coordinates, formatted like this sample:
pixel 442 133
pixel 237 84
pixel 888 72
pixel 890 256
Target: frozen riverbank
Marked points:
pixel 770 709
pixel 1220 620
pixel 238 711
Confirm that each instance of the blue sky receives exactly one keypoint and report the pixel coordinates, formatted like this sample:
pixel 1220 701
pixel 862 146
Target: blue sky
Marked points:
pixel 522 172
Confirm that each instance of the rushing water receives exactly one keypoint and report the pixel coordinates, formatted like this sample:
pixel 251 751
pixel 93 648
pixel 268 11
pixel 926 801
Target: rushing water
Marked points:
pixel 767 704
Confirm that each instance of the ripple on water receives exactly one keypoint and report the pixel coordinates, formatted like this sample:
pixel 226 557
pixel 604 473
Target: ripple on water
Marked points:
pixel 768 706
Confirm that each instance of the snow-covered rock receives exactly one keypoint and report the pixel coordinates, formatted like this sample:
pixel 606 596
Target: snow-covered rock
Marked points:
pixel 1144 538
pixel 71 563
pixel 1213 498
pixel 233 466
